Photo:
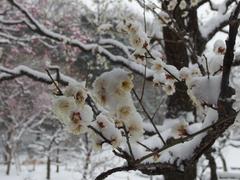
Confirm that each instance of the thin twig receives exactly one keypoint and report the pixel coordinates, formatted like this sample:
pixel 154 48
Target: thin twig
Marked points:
pixel 206 65
pixel 149 117
pixel 182 140
pixel 128 141
pixel 144 82
pixel 60 93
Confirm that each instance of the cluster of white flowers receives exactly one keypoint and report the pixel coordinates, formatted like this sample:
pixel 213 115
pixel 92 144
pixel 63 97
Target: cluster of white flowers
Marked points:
pixel 187 74
pixel 164 75
pixel 112 90
pixel 137 37
pixel 72 110
pixel 107 128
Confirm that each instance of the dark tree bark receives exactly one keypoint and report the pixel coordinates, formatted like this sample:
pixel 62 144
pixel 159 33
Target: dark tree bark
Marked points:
pixel 176 54
pixel 57 161
pixel 9 160
pixel 212 164
pixel 8 151
pixel 48 168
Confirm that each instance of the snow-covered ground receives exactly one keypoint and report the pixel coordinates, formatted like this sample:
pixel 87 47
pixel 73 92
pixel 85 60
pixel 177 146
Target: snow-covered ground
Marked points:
pixel 71 172
pixel 65 174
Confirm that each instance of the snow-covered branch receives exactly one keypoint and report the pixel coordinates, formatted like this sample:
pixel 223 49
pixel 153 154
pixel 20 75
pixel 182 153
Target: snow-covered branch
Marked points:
pixel 94 47
pixel 7 74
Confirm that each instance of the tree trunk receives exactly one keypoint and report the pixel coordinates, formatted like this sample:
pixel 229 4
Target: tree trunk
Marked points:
pixel 9 152
pixel 212 164
pixel 9 159
pixel 176 54
pixel 57 161
pixel 88 158
pixel 48 167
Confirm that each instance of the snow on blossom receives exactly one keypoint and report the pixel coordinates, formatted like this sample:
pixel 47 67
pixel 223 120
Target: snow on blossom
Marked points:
pixel 80 119
pixel 135 126
pixel 137 38
pixel 180 129
pixel 164 18
pixel 195 71
pixel 123 113
pixel 72 110
pixel 172 73
pixel 193 98
pixel 118 100
pixel 108 130
pixel 107 89
pixel 159 78
pixel 211 117
pixel 158 65
pixel 205 89
pixel 215 63
pixel 219 47
pixel 184 74
pixel 62 107
pixel 78 91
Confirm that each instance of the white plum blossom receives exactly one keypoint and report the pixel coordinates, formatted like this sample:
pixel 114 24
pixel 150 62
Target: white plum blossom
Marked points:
pixel 205 89
pixel 172 4
pixel 169 88
pixel 172 73
pixel 118 100
pixel 78 91
pixel 194 2
pixel 63 106
pixel 123 112
pixel 158 65
pixel 183 4
pixel 80 119
pixel 184 74
pixel 108 130
pixel 195 71
pixel 195 101
pixel 72 110
pixel 180 129
pixel 215 64
pixel 135 126
pixel 137 38
pixel 107 90
pixel 219 47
